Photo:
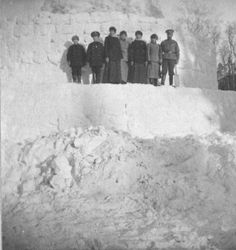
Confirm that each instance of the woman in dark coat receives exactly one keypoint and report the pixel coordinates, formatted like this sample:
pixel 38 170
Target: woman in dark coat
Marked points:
pixel 113 55
pixel 76 58
pixel 138 57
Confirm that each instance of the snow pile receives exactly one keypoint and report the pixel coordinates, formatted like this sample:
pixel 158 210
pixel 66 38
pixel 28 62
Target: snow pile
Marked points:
pixel 103 189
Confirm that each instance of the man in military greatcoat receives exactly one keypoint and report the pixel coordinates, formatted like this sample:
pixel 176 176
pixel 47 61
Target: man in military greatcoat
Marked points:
pixel 170 55
pixel 96 56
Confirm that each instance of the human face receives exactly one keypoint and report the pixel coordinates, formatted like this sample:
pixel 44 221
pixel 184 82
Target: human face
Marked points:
pixel 123 37
pixel 112 33
pixel 153 40
pixel 75 41
pixel 95 38
pixel 169 35
pixel 138 36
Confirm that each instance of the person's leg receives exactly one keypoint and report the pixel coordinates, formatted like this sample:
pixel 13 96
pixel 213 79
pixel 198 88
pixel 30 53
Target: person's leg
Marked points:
pixel 164 71
pixel 171 65
pixel 93 74
pixel 98 74
pixel 155 82
pixel 74 73
pixel 78 74
pixel 151 81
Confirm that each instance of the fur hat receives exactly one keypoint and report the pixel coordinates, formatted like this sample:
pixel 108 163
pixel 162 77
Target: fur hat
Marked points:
pixel 154 36
pixel 75 38
pixel 95 33
pixel 138 32
pixel 112 28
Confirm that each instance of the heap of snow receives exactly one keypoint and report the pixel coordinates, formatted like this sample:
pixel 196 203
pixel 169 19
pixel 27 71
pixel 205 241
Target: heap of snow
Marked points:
pixel 103 189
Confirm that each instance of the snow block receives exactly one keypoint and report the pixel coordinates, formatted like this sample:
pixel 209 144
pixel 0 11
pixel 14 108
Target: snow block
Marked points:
pixel 142 110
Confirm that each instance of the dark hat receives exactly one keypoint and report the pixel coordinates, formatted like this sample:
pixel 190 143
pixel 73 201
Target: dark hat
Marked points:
pixel 170 31
pixel 95 33
pixel 123 32
pixel 112 28
pixel 154 36
pixel 138 32
pixel 75 38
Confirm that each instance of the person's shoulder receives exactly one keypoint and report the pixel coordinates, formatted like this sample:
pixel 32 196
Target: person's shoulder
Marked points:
pixel 81 46
pixel 164 41
pixel 144 42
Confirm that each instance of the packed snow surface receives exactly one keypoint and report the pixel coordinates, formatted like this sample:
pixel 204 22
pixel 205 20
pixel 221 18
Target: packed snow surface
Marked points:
pixel 30 110
pixel 101 188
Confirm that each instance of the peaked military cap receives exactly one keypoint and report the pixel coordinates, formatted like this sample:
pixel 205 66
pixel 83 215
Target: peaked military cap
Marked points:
pixel 138 32
pixel 170 31
pixel 95 33
pixel 75 38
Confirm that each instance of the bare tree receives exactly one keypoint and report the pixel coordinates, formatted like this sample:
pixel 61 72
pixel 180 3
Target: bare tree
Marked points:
pixel 199 20
pixel 231 38
pixel 227 52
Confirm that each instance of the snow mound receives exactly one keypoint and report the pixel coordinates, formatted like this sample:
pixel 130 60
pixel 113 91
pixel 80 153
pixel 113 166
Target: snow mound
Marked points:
pixel 103 189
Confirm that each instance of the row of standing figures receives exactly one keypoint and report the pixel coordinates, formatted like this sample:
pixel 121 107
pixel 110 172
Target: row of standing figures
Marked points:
pixel 120 61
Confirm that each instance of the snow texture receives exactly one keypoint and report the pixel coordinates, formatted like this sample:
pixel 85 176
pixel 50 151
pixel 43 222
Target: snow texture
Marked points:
pixel 143 111
pixel 102 189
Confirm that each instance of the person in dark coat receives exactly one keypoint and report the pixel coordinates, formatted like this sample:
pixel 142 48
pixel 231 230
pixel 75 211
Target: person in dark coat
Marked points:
pixel 96 56
pixel 76 58
pixel 113 55
pixel 170 55
pixel 138 57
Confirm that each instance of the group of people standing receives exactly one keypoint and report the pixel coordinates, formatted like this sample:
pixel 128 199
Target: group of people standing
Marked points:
pixel 125 61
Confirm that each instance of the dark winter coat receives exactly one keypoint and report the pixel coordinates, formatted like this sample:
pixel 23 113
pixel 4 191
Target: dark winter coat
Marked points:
pixel 113 48
pixel 138 51
pixel 76 55
pixel 96 54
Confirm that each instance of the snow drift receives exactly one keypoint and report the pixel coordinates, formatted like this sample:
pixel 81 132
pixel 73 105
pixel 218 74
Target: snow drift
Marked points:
pixel 103 189
pixel 154 171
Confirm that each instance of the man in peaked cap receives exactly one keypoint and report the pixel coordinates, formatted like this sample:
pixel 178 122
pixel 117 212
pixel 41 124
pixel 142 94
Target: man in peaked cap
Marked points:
pixel 170 55
pixel 96 56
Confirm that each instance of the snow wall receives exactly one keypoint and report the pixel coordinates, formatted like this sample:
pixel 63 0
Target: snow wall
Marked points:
pixel 142 110
pixel 35 36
